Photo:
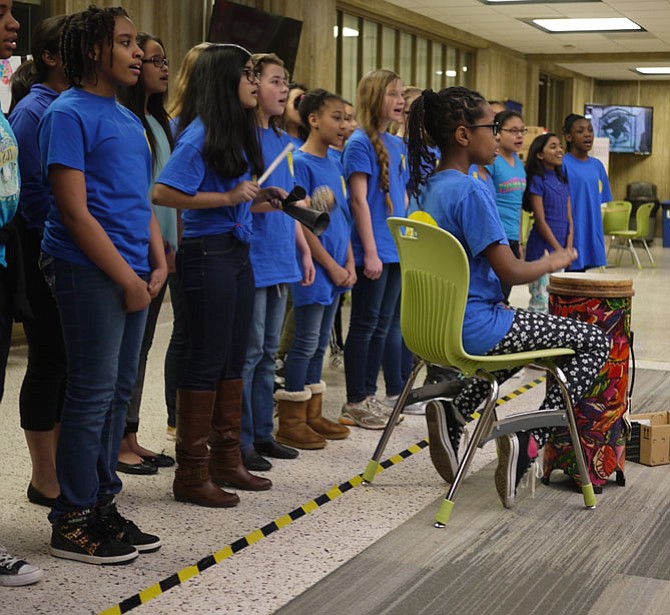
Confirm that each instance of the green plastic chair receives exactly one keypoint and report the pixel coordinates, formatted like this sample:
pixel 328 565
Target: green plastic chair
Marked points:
pixel 617 204
pixel 435 280
pixel 622 239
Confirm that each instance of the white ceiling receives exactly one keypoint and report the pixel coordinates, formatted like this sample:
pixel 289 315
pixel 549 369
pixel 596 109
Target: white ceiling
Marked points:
pixel 502 24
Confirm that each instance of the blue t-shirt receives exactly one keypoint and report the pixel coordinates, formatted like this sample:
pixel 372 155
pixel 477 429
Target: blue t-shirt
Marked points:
pixel 273 250
pixel 187 171
pixel 335 154
pixel 473 171
pixel 106 142
pixel 463 206
pixel 555 194
pixel 510 184
pixel 24 118
pixel 589 188
pixel 360 157
pixel 10 182
pixel 311 172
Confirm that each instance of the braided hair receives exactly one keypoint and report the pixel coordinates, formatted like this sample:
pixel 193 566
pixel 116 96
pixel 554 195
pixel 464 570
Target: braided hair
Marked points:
pixel 80 35
pixel 312 102
pixel 370 101
pixel 433 119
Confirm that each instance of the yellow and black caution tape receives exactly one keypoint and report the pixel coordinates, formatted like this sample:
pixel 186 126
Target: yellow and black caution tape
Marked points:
pixel 242 543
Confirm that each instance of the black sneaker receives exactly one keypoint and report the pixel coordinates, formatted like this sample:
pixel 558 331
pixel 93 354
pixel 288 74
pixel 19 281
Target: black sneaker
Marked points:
pixel 516 452
pixel 125 531
pixel 15 572
pixel 80 536
pixel 445 428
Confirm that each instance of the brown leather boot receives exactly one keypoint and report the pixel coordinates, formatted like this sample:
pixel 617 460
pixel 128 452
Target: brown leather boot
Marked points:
pixel 225 462
pixel 192 482
pixel 293 429
pixel 321 425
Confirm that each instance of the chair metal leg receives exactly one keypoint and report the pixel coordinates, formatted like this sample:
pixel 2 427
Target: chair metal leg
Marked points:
pixel 587 487
pixel 373 464
pixel 634 256
pixel 646 247
pixel 482 429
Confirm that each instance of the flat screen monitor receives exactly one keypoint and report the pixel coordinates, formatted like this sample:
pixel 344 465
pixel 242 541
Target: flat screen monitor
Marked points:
pixel 628 128
pixel 256 30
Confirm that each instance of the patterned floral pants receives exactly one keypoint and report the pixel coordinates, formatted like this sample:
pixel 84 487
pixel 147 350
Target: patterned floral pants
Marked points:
pixel 534 331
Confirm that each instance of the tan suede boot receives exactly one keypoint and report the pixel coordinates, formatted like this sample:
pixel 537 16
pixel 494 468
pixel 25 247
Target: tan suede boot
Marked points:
pixel 192 482
pixel 225 463
pixel 293 429
pixel 328 429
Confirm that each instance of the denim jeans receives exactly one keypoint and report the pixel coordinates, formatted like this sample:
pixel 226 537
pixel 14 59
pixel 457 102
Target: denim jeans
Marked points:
pixel 218 290
pixel 392 360
pixel 102 344
pixel 177 351
pixel 6 322
pixel 313 324
pixel 259 367
pixel 372 307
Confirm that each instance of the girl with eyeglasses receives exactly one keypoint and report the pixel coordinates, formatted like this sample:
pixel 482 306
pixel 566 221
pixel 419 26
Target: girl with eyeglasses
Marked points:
pixel 509 178
pixel 210 176
pixel 461 123
pixel 146 100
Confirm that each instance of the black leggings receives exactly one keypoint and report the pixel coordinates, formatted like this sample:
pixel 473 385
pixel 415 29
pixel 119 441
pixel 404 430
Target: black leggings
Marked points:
pixel 533 331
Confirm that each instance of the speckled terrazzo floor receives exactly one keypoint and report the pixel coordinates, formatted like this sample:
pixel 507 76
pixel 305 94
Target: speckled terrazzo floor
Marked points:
pixel 270 573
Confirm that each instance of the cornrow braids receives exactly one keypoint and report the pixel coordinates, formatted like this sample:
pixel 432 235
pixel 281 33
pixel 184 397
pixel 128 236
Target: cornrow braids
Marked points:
pixel 370 101
pixel 435 117
pixel 312 102
pixel 80 35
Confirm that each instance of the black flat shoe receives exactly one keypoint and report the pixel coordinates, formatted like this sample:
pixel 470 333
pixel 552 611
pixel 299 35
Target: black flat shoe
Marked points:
pixel 159 460
pixel 37 497
pixel 136 468
pixel 254 462
pixel 275 450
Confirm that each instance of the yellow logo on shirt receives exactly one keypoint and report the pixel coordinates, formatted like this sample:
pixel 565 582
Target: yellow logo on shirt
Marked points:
pixel 289 159
pixel 344 186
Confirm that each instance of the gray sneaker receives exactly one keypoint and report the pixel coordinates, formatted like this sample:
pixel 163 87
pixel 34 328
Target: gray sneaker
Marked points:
pixel 361 415
pixel 382 410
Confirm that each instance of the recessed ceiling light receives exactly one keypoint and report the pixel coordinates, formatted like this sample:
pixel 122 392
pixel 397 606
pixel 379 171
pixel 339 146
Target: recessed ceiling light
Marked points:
pixel 609 24
pixel 652 70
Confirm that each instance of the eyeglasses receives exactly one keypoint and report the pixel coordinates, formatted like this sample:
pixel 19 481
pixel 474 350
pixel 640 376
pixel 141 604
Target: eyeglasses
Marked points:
pixel 495 127
pixel 251 75
pixel 157 62
pixel 516 131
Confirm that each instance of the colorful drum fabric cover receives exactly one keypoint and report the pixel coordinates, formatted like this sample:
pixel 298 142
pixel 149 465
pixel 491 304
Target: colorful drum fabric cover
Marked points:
pixel 605 301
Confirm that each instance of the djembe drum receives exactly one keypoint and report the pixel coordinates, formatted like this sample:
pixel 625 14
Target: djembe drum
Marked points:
pixel 604 300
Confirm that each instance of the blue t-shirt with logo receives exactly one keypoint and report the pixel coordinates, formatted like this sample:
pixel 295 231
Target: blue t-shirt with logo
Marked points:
pixel 474 171
pixel 10 182
pixel 106 142
pixel 360 157
pixel 510 184
pixel 188 172
pixel 464 206
pixel 312 172
pixel 273 251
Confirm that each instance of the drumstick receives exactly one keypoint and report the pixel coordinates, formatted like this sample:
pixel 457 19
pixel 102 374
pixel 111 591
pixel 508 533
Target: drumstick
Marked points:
pixel 275 163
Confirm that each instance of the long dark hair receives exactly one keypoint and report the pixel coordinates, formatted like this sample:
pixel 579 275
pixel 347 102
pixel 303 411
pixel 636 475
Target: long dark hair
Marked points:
pixel 80 34
pixel 44 39
pixel 433 120
pixel 534 166
pixel 212 94
pixel 133 98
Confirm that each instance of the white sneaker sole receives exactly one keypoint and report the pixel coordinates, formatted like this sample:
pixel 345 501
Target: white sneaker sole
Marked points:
pixel 93 559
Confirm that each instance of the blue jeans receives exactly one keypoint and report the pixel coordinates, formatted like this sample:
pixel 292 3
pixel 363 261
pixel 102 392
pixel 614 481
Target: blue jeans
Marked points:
pixel 373 303
pixel 102 344
pixel 313 324
pixel 218 290
pixel 392 360
pixel 259 367
pixel 177 352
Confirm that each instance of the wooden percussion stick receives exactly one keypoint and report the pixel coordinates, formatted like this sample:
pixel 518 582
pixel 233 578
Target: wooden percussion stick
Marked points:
pixel 275 163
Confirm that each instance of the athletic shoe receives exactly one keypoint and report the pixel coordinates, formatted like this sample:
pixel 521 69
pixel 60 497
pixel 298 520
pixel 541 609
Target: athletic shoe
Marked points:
pixel 445 428
pixel 382 410
pixel 516 452
pixel 337 360
pixel 361 415
pixel 125 531
pixel 82 537
pixel 15 572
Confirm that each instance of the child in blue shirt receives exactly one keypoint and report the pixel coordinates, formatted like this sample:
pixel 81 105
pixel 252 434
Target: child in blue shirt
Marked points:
pixel 462 125
pixel 105 259
pixel 301 423
pixel 589 189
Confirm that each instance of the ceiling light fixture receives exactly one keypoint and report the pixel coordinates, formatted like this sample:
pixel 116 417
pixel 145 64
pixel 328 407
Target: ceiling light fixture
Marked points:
pixel 652 70
pixel 563 25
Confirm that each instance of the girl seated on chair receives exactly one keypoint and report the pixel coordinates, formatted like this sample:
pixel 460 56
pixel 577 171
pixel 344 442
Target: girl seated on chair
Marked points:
pixel 462 125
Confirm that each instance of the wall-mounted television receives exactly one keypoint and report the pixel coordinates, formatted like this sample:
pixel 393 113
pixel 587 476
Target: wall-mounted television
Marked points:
pixel 628 128
pixel 256 30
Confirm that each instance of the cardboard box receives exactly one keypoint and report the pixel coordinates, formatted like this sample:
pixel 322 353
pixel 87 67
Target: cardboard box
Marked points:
pixel 650 441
